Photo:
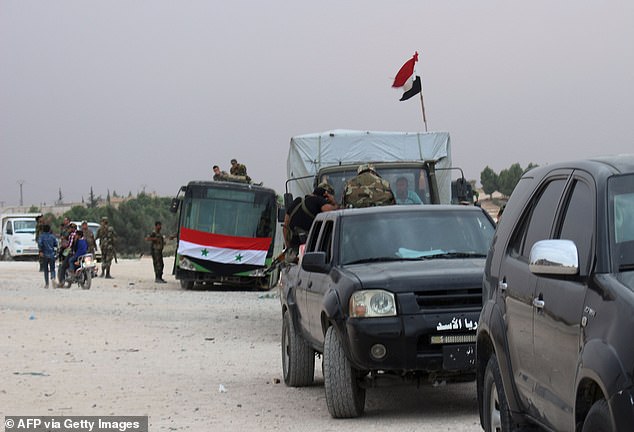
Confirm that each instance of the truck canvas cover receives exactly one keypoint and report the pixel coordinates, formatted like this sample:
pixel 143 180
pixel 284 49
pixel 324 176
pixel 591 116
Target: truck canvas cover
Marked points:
pixel 311 152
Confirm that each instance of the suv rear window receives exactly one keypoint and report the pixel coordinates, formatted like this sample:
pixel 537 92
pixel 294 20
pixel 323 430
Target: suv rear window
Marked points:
pixel 621 223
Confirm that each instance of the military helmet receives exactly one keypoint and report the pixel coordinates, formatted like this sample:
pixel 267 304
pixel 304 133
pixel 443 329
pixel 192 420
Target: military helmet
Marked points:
pixel 365 167
pixel 327 187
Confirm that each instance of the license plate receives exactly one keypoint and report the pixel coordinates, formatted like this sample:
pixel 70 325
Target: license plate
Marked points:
pixel 459 357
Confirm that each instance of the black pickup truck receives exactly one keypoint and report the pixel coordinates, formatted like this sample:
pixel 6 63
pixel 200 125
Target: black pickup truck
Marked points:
pixel 385 294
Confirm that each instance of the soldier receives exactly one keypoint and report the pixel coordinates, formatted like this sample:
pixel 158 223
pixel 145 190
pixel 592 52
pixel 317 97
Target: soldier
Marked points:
pixel 156 248
pixel 219 175
pixel 300 215
pixel 106 237
pixel 238 169
pixel 367 189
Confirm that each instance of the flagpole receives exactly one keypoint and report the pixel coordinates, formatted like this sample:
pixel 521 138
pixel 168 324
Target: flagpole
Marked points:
pixel 422 105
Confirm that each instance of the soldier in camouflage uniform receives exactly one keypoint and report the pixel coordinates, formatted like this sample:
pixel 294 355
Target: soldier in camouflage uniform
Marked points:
pixel 218 174
pixel 158 241
pixel 106 237
pixel 89 237
pixel 238 169
pixel 367 189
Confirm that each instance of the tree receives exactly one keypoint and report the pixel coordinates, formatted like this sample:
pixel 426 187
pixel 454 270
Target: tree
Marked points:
pixel 489 180
pixel 530 166
pixel 508 179
pixel 92 201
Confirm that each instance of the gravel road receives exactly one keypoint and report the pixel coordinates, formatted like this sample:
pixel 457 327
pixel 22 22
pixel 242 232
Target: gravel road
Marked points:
pixel 190 360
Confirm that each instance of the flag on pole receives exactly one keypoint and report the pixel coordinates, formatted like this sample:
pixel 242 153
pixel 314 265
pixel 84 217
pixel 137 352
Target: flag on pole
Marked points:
pixel 223 248
pixel 405 72
pixel 411 88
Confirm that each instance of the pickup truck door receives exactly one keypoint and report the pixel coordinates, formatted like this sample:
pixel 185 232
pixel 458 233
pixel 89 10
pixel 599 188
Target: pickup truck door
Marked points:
pixel 518 285
pixel 303 281
pixel 319 283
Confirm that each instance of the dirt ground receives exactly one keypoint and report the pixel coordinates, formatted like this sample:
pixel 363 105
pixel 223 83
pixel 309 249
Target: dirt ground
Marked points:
pixel 190 360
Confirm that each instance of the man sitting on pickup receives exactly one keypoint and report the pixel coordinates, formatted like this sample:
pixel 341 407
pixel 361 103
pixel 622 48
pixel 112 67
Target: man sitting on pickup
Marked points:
pixel 300 215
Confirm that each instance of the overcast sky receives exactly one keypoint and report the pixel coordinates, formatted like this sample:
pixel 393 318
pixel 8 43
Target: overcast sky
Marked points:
pixel 146 95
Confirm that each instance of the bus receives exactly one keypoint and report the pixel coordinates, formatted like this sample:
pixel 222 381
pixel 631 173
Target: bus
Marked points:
pixel 226 234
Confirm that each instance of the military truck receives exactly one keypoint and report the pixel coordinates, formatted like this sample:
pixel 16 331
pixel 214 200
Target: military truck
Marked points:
pixel 423 158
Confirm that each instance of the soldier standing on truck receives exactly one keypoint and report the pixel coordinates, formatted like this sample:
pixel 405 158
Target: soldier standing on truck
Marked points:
pixel 300 215
pixel 367 189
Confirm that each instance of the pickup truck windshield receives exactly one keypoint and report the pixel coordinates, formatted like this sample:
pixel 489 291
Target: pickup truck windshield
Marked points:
pixel 415 235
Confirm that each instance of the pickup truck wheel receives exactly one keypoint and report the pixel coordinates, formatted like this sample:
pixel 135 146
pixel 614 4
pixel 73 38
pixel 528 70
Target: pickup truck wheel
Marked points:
pixel 344 396
pixel 598 418
pixel 497 415
pixel 298 358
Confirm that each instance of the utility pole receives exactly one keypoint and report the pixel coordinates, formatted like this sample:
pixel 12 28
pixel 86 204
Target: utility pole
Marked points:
pixel 21 182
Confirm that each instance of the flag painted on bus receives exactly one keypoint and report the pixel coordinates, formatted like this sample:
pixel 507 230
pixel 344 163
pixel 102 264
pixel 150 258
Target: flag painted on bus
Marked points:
pixel 223 248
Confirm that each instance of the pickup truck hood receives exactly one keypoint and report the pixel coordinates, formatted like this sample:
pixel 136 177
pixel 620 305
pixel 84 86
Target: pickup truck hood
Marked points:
pixel 407 276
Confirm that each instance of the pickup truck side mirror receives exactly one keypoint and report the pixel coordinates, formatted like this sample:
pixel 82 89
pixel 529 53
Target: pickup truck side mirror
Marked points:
pixel 281 212
pixel 315 262
pixel 554 257
pixel 288 199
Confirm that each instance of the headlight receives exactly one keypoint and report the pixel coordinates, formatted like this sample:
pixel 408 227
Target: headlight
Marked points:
pixel 185 264
pixel 372 303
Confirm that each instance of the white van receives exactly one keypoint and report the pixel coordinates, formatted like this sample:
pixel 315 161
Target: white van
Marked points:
pixel 17 238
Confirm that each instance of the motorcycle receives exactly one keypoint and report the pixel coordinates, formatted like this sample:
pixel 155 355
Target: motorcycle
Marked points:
pixel 83 274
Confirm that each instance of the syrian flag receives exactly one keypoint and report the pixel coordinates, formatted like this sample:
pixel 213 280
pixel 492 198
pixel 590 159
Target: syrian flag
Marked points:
pixel 406 79
pixel 223 248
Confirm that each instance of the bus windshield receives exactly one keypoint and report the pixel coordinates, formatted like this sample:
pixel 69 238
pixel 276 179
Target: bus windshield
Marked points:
pixel 228 211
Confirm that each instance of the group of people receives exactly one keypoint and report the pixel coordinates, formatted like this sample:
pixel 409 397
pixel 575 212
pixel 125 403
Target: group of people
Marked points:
pixel 72 243
pixel 70 246
pixel 367 189
pixel 237 173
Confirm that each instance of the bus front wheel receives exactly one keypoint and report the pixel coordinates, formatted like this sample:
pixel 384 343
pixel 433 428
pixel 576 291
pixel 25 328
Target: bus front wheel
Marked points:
pixel 187 284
